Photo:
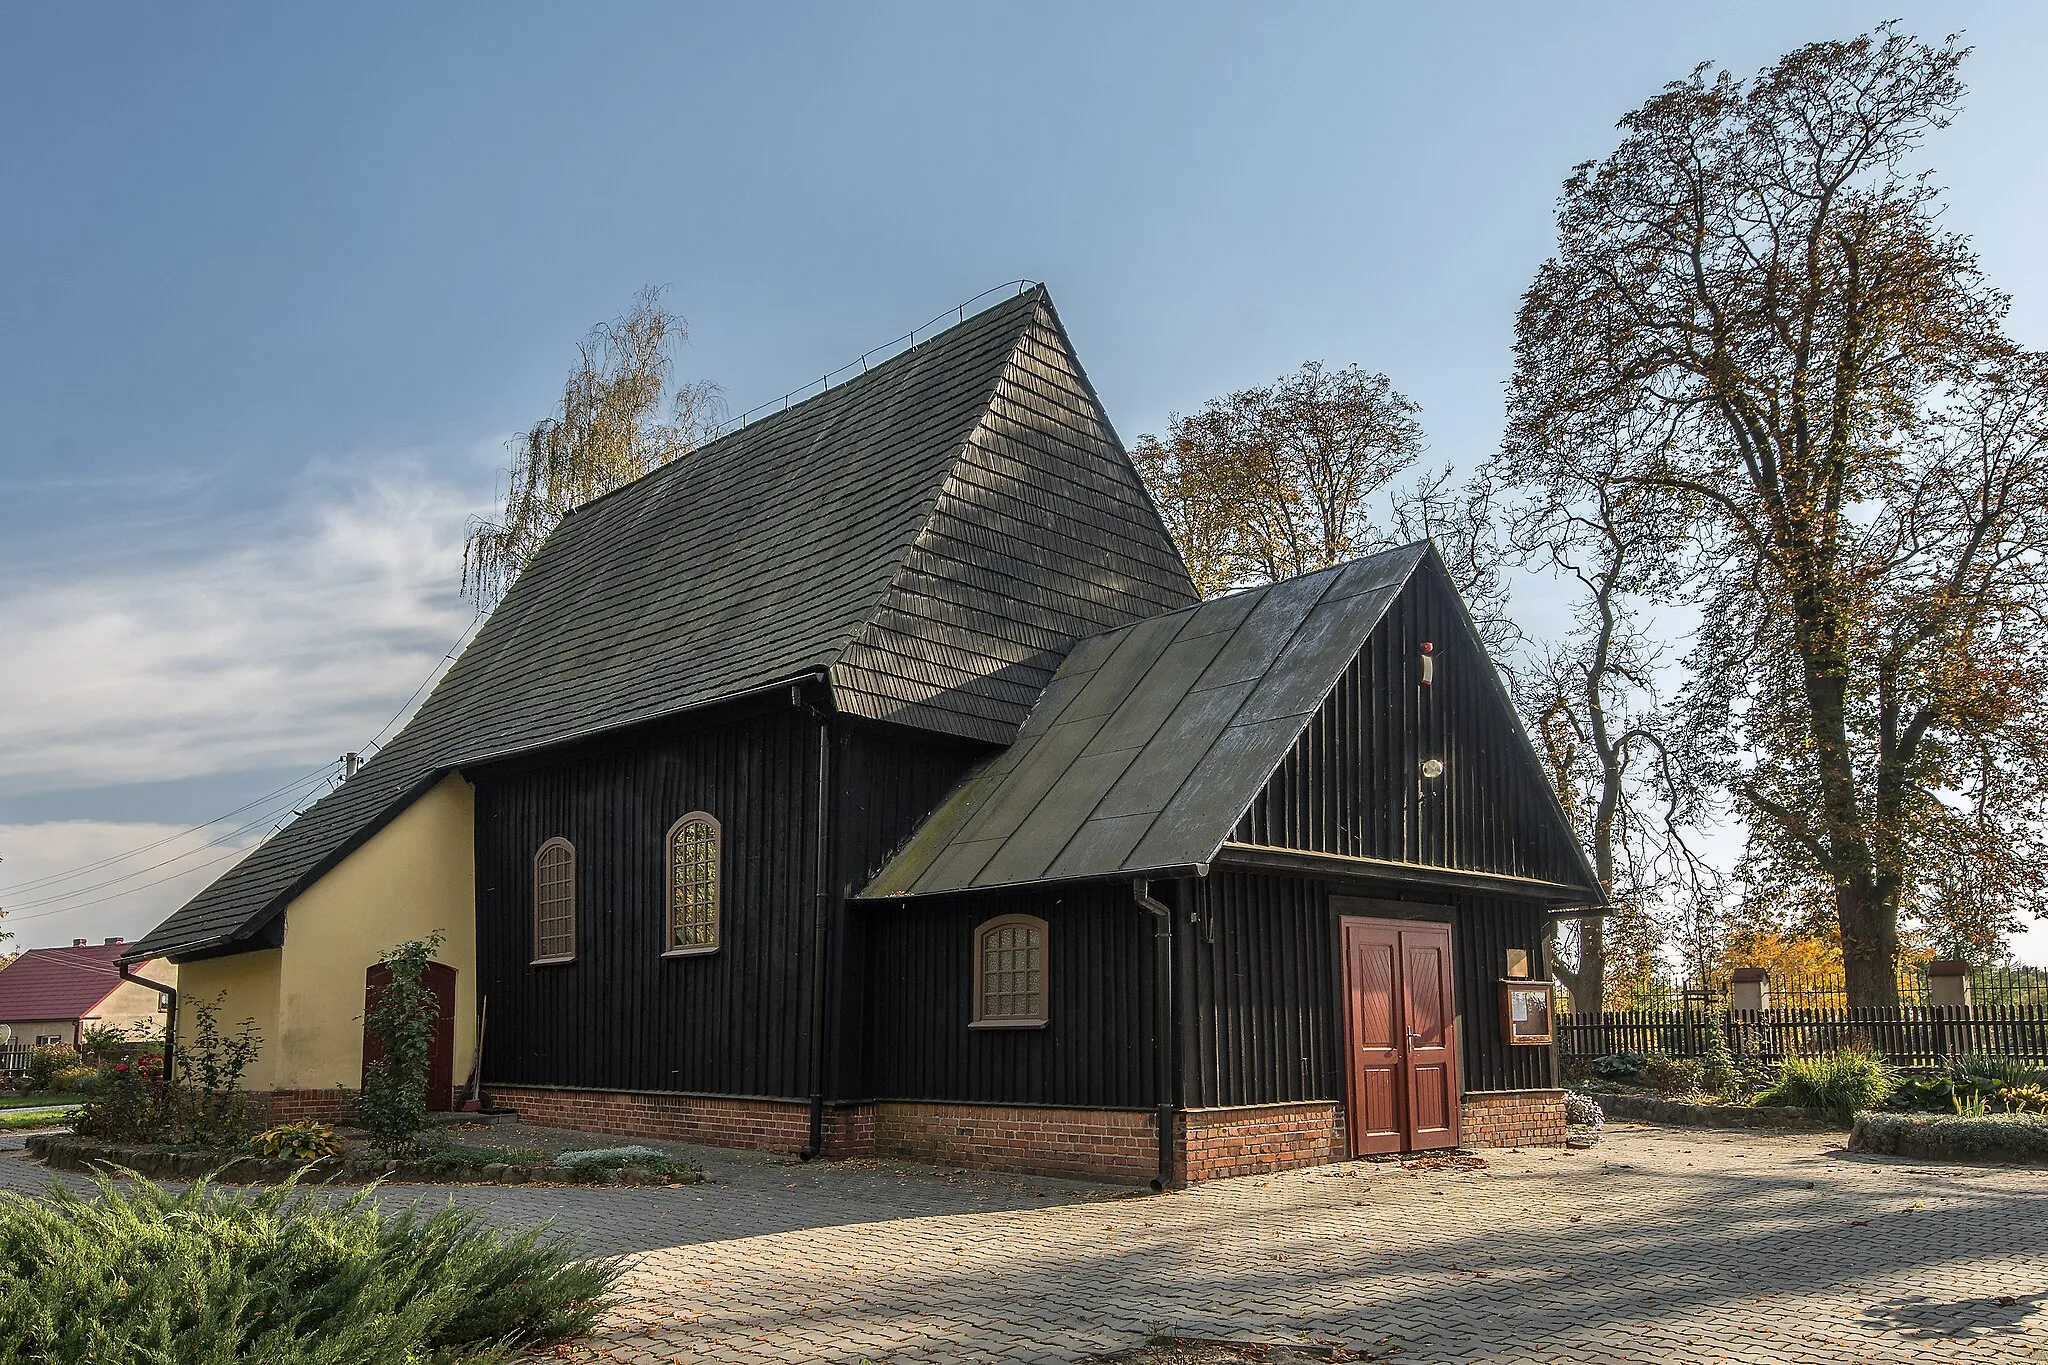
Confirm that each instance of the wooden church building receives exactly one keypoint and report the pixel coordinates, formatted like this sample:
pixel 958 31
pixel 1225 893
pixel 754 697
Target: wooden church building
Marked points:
pixel 872 781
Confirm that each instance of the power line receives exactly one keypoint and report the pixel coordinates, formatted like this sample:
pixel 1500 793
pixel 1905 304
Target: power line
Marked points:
pixel 86 905
pixel 215 842
pixel 111 859
pixel 268 797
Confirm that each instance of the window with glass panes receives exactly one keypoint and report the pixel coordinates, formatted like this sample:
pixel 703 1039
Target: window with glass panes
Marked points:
pixel 1010 971
pixel 693 884
pixel 554 902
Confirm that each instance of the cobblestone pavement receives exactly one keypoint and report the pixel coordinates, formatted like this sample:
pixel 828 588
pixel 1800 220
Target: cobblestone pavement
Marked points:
pixel 1660 1245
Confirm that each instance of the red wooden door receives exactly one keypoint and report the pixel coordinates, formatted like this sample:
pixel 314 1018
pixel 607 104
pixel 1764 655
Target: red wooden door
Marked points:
pixel 1401 1035
pixel 439 979
pixel 1432 1029
pixel 1376 1089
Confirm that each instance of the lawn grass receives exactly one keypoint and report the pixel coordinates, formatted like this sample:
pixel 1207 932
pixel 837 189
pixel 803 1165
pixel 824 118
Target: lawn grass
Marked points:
pixel 11 1100
pixel 136 1275
pixel 35 1118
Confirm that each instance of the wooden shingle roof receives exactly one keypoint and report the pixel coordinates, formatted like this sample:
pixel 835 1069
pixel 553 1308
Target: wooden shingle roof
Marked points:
pixel 932 537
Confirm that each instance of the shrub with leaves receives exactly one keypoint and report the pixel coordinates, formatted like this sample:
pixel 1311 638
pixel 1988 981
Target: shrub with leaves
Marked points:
pixel 207 1105
pixel 46 1061
pixel 393 1105
pixel 1838 1083
pixel 103 1045
pixel 140 1276
pixel 1996 1137
pixel 1985 1073
pixel 1619 1065
pixel 300 1140
pixel 1674 1075
pixel 599 1161
pixel 1718 1074
pixel 130 1107
pixel 2023 1099
pixel 1582 1111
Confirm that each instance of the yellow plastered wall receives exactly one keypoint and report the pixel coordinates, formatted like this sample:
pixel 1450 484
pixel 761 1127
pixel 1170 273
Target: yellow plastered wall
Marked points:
pixel 413 877
pixel 240 987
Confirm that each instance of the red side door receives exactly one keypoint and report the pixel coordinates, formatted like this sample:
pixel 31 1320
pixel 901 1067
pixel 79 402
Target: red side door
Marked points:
pixel 1377 1088
pixel 440 979
pixel 1432 1036
pixel 1401 1036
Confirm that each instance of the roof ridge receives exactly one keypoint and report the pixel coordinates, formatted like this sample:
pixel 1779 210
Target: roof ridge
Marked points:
pixel 766 423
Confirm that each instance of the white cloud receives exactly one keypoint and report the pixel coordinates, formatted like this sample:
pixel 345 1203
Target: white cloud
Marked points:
pixel 217 645
pixel 105 893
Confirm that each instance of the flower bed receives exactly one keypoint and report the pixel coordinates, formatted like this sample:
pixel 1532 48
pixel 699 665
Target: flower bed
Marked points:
pixel 449 1166
pixel 1704 1114
pixel 1976 1137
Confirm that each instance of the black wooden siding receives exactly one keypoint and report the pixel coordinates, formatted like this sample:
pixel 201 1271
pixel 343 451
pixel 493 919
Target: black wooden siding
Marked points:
pixel 1097 1048
pixel 1262 1019
pixel 622 1016
pixel 889 779
pixel 1352 783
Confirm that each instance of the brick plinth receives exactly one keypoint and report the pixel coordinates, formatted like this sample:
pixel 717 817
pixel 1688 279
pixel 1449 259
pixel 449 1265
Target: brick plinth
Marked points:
pixel 1121 1146
pixel 1255 1139
pixel 1513 1118
pixel 715 1121
pixel 328 1106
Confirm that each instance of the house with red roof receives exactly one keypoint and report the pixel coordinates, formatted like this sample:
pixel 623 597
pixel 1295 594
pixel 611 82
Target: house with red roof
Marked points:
pixel 52 995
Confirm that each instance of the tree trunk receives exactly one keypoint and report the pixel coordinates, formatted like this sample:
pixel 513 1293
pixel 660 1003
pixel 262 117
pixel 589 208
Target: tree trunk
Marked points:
pixel 1870 943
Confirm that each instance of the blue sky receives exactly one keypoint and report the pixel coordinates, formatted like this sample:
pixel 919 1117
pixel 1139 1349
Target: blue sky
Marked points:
pixel 279 284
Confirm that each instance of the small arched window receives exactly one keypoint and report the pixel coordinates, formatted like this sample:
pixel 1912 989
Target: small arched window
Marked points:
pixel 554 902
pixel 693 862
pixel 1009 973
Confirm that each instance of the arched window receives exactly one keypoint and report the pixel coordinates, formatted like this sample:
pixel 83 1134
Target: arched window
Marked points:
pixel 693 849
pixel 554 902
pixel 1009 973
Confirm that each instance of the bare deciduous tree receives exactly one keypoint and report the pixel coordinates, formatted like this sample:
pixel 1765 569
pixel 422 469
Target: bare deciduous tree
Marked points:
pixel 618 420
pixel 1754 273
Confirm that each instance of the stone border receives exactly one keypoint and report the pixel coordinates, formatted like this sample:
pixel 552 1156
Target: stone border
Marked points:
pixel 62 1151
pixel 1648 1109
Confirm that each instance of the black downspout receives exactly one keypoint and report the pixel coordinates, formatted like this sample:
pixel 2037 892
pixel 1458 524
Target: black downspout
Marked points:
pixel 821 876
pixel 170 1015
pixel 1162 1025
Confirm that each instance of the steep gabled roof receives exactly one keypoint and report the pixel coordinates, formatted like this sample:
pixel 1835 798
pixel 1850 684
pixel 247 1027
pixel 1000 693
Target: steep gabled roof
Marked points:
pixel 932 536
pixel 47 984
pixel 1153 739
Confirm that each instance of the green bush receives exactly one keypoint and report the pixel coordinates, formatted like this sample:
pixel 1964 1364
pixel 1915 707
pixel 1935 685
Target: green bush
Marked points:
pixel 75 1080
pixel 1616 1065
pixel 393 1105
pixel 1988 1074
pixel 2023 1099
pixel 45 1062
pixel 2002 1137
pixel 1675 1075
pixel 1837 1083
pixel 299 1140
pixel 283 1276
pixel 1718 1074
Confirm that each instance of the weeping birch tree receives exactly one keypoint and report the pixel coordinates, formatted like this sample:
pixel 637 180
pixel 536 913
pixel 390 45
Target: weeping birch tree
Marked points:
pixel 622 415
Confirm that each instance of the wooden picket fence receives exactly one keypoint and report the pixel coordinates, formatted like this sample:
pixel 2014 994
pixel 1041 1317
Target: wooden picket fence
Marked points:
pixel 1911 1035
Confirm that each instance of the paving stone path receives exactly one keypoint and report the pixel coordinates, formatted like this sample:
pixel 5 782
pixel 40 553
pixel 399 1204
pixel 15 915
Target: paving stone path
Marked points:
pixel 1659 1245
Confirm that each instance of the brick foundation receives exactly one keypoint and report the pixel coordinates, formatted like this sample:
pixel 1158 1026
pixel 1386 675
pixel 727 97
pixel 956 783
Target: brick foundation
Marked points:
pixel 1513 1118
pixel 1255 1139
pixel 328 1106
pixel 764 1125
pixel 1115 1145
